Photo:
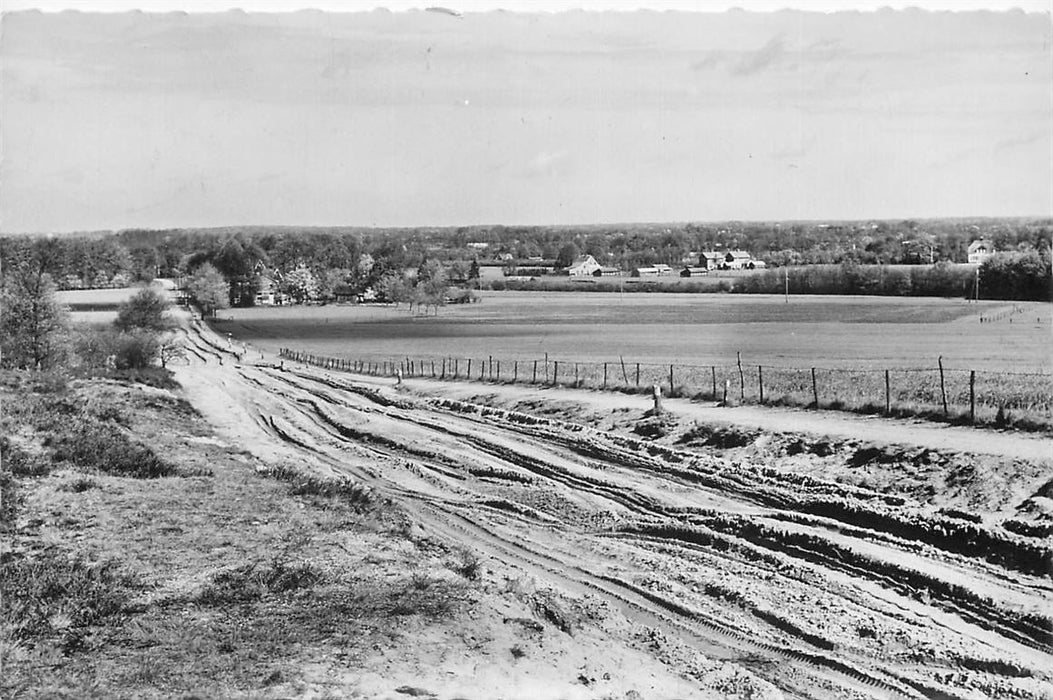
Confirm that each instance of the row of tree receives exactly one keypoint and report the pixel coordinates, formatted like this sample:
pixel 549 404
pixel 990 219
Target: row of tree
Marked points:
pixel 319 263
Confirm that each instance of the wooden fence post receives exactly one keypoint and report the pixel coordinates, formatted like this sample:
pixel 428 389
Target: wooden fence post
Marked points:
pixel 943 390
pixel 555 372
pixel 469 375
pixel 815 389
pixel 499 370
pixel 625 376
pixel 888 394
pixel 670 380
pixel 760 382
pixel 534 380
pixel 972 396
pixel 604 375
pixel 515 372
pixel 742 377
pixel 575 375
pixel 637 374
pixel 714 368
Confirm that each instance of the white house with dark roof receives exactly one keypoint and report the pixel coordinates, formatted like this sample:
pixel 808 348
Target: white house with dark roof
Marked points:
pixel 583 266
pixel 980 250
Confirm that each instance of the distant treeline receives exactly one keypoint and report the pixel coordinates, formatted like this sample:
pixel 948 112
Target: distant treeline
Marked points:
pixel 1019 275
pixel 358 258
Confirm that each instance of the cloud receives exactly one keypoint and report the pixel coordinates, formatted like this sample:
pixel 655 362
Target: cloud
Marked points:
pixel 768 55
pixel 547 163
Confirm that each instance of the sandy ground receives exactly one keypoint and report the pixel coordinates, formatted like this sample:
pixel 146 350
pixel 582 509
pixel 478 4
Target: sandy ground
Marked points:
pixel 666 567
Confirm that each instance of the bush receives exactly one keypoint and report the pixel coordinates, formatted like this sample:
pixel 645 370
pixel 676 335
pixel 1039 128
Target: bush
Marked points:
pixel 94 444
pixel 251 582
pixel 19 462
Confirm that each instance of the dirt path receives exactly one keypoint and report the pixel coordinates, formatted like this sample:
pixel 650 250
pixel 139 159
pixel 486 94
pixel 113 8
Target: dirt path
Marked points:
pixel 788 583
pixel 887 431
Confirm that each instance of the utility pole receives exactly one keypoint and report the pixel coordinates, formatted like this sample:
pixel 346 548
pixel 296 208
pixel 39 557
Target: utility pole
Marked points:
pixel 786 277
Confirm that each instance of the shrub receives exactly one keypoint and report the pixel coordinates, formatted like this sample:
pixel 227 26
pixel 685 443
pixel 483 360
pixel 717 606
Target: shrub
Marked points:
pixel 251 582
pixel 94 444
pixel 19 462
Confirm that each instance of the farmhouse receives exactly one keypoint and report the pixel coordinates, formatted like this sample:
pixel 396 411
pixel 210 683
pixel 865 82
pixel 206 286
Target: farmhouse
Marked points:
pixel 736 259
pixel 694 271
pixel 980 250
pixel 267 293
pixel 583 266
pixel 710 259
pixel 344 293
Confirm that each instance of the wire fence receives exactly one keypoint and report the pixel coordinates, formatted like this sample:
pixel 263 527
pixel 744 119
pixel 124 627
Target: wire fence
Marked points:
pixel 1004 398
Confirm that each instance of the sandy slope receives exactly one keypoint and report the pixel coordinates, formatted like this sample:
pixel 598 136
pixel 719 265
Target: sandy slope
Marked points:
pixel 705 576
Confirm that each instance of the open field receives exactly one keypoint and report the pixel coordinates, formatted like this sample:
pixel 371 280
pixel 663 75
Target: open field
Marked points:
pixel 870 353
pixel 681 328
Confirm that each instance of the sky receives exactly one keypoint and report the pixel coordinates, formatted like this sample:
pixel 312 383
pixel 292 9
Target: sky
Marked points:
pixel 407 117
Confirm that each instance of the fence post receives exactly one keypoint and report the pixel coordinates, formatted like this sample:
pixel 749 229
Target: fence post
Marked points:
pixel 943 390
pixel 760 382
pixel 499 370
pixel 670 380
pixel 742 377
pixel 491 367
pixel 972 396
pixel 815 389
pixel 469 374
pixel 515 372
pixel 433 369
pixel 555 372
pixel 714 368
pixel 637 375
pixel 888 394
pixel 575 375
pixel 482 371
pixel 604 375
pixel 534 380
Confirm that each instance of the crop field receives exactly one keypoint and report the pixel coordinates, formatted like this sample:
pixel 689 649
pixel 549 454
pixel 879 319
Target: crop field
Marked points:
pixel 873 354
pixel 835 332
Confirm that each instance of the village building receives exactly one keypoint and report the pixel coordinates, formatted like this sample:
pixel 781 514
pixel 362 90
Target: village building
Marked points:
pixel 583 266
pixel 691 271
pixel 607 272
pixel 710 259
pixel 980 250
pixel 736 260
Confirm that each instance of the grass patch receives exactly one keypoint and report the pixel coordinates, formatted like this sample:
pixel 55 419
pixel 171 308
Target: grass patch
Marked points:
pixel 62 599
pixel 304 483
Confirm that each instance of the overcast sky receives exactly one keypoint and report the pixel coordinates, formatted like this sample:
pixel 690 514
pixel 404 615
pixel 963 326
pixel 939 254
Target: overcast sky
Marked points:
pixel 423 118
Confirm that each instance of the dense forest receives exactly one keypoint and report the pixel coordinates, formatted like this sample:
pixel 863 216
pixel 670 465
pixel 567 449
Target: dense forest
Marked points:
pixel 325 260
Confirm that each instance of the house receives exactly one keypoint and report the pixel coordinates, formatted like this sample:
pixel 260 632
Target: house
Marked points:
pixel 663 269
pixel 690 271
pixel 710 259
pixel 736 259
pixel 344 293
pixel 267 293
pixel 606 272
pixel 756 265
pixel 645 272
pixel 980 250
pixel 583 266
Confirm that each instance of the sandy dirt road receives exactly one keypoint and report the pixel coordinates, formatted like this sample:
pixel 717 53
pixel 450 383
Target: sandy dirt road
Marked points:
pixel 811 588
